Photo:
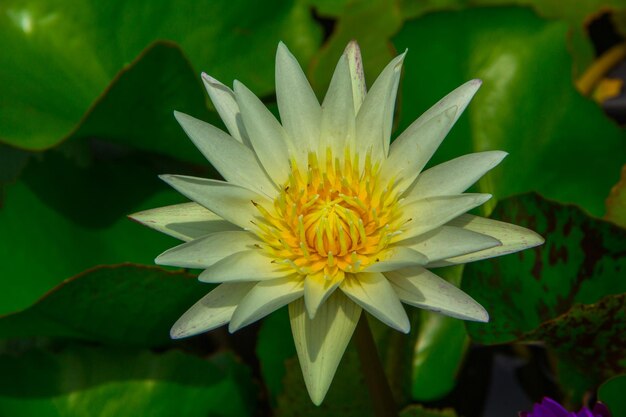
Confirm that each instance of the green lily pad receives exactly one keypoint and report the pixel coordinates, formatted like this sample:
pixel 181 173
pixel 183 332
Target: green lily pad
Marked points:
pixel 274 347
pixel 440 346
pixel 560 143
pixel 439 353
pixel 60 57
pixel 568 293
pixel 137 109
pixel 577 18
pixel 590 342
pixel 61 219
pixel 581 261
pixel 79 381
pixel 121 305
pixel 612 394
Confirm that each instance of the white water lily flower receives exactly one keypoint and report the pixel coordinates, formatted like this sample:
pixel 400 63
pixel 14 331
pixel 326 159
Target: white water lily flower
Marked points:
pixel 321 213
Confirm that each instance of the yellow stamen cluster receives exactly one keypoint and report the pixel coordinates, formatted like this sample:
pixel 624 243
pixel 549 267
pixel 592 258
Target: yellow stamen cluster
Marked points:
pixel 334 218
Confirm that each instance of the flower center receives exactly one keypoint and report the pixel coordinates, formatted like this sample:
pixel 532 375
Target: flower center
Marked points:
pixel 334 218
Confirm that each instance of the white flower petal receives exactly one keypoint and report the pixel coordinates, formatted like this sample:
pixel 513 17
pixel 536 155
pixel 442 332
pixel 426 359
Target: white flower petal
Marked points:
pixel 429 213
pixel 514 239
pixel 185 221
pixel 317 289
pixel 300 112
pixel 458 98
pixel 264 298
pixel 226 105
pixel 236 162
pixel 375 118
pixel 448 241
pixel 408 157
pixel 421 288
pixel 268 138
pixel 212 311
pixel 205 251
pixel 397 257
pixel 374 293
pixel 353 54
pixel 249 265
pixel 455 176
pixel 321 342
pixel 233 203
pixel 338 117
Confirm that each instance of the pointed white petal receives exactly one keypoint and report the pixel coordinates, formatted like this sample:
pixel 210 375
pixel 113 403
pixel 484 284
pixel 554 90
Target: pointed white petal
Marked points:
pixel 397 257
pixel 421 288
pixel 236 162
pixel 514 238
pixel 268 138
pixel 226 105
pixel 353 54
pixel 455 176
pixel 317 289
pixel 448 241
pixel 300 112
pixel 265 298
pixel 338 117
pixel 205 251
pixel 249 265
pixel 212 311
pixel 429 213
pixel 321 342
pixel 185 221
pixel 374 293
pixel 233 203
pixel 411 150
pixel 458 98
pixel 375 118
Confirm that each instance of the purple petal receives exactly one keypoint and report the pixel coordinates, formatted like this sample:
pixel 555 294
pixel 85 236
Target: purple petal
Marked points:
pixel 553 409
pixel 550 408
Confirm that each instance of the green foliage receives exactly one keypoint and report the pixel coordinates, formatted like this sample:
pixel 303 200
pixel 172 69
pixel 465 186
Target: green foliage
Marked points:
pixel 567 293
pixel 527 105
pixel 587 334
pixel 612 394
pixel 62 218
pixel 580 262
pixel 439 352
pixel 577 18
pixel 120 305
pixel 86 44
pixel 274 347
pixel 79 381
